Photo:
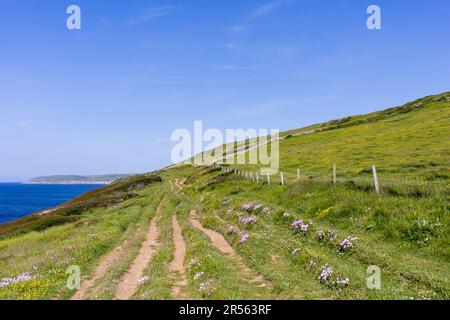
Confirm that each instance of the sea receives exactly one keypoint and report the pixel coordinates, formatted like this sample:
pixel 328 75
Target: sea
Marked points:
pixel 18 200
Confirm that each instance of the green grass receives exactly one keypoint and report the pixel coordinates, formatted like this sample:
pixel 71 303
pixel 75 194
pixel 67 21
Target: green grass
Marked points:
pixel 48 254
pixel 404 230
pixel 219 276
pixel 410 269
pixel 158 287
pixel 132 240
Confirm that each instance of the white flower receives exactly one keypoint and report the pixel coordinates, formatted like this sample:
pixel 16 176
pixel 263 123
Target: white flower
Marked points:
pixel 144 280
pixel 198 275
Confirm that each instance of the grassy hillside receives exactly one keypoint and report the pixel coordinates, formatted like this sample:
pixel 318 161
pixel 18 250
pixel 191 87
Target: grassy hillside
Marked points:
pixel 404 230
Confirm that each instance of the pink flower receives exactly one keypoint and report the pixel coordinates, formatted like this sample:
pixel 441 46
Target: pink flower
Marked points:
pixel 326 273
pixel 347 243
pixel 298 225
pixel 4 282
pixel 244 237
pixel 248 220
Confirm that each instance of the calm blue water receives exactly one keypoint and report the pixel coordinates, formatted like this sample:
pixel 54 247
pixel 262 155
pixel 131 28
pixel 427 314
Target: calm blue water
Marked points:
pixel 18 200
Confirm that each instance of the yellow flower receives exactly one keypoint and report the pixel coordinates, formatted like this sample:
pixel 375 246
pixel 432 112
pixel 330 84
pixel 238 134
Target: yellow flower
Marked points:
pixel 324 212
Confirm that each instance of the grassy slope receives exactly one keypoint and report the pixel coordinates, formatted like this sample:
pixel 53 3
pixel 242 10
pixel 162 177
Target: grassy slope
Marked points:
pixel 405 230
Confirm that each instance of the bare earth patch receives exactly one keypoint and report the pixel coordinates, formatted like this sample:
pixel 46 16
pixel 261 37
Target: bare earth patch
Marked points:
pixel 176 267
pixel 222 245
pixel 130 281
pixel 105 263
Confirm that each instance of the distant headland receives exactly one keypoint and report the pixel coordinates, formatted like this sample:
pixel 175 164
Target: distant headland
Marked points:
pixel 78 179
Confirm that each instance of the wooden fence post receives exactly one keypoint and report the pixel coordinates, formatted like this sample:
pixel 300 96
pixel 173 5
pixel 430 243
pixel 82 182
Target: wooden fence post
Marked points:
pixel 375 179
pixel 298 174
pixel 282 178
pixel 268 179
pixel 257 177
pixel 334 174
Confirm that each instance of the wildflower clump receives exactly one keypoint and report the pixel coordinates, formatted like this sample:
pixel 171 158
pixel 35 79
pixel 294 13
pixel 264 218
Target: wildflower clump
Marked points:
pixel 300 227
pixel 206 287
pixel 248 220
pixel 4 282
pixel 326 273
pixel 244 238
pixel 252 207
pixel 198 275
pixel 193 264
pixel 341 283
pixel 331 235
pixel 320 234
pixel 346 244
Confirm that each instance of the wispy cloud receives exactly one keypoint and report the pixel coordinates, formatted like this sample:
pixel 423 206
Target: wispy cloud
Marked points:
pixel 150 14
pixel 258 12
pixel 267 8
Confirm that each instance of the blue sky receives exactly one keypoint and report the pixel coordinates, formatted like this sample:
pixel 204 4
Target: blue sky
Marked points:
pixel 106 98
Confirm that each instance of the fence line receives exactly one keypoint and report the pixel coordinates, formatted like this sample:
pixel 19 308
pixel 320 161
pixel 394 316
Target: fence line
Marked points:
pixel 391 185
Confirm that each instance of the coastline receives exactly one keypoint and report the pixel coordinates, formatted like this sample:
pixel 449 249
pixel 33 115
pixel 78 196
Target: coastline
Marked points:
pixel 71 182
pixel 21 199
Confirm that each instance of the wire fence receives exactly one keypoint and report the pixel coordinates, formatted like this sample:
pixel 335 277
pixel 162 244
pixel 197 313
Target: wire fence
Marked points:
pixel 384 185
